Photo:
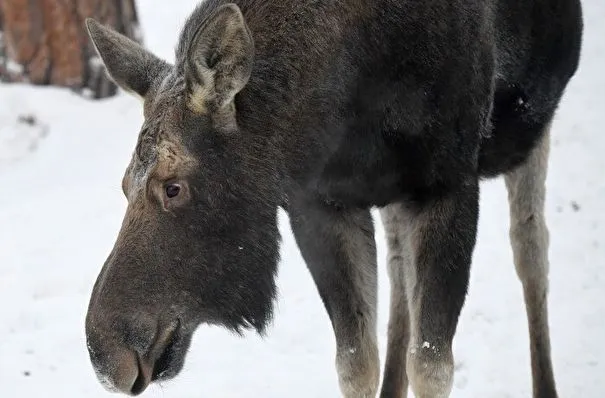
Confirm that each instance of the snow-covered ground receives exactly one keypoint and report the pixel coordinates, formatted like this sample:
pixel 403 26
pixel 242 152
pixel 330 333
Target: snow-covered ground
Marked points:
pixel 61 162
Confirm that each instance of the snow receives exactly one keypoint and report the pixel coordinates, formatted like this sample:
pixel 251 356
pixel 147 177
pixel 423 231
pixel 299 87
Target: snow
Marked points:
pixel 61 206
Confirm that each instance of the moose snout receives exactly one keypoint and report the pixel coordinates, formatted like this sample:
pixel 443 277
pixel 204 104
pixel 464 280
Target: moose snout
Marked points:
pixel 126 356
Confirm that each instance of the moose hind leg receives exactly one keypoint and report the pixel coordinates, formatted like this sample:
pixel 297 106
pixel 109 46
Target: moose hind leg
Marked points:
pixel 529 239
pixel 339 249
pixel 395 380
pixel 443 237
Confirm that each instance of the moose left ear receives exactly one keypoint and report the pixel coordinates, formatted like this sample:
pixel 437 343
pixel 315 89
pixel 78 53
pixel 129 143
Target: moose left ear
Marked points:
pixel 219 60
pixel 130 65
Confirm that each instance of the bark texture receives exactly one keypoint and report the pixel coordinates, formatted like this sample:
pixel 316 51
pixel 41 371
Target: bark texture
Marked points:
pixel 44 42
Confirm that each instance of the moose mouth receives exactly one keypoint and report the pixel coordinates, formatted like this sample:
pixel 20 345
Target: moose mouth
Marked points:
pixel 164 360
pixel 166 365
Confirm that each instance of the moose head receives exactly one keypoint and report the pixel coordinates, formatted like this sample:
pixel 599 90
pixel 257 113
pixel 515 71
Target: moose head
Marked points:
pixel 199 240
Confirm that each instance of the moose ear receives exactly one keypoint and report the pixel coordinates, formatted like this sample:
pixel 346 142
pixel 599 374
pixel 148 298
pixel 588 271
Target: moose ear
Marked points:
pixel 219 60
pixel 128 64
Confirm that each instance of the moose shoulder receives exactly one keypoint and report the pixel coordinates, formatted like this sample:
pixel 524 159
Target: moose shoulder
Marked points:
pixel 327 109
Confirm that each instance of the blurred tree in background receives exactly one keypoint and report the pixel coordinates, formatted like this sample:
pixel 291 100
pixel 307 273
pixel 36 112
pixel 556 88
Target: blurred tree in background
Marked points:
pixel 44 42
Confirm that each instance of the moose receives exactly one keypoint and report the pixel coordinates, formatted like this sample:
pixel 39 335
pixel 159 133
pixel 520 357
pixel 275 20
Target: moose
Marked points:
pixel 329 109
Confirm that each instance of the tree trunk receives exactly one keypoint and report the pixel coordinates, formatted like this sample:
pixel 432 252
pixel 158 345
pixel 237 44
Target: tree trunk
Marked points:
pixel 44 42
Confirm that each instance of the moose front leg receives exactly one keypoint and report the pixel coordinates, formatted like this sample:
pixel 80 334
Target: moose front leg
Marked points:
pixel 339 249
pixel 442 239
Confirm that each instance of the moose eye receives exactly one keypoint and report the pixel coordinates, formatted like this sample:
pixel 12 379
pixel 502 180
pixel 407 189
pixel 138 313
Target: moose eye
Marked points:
pixel 172 190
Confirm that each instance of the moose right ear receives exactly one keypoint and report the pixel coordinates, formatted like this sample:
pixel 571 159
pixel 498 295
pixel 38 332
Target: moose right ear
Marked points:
pixel 132 67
